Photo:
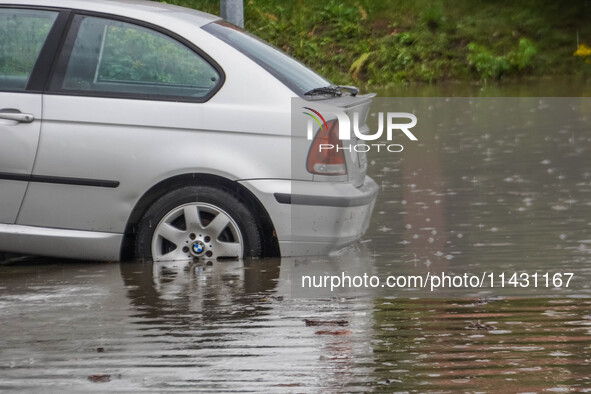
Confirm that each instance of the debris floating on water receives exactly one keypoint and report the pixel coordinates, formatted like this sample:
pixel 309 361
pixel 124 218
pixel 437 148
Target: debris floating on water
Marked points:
pixel 314 323
pixel 101 378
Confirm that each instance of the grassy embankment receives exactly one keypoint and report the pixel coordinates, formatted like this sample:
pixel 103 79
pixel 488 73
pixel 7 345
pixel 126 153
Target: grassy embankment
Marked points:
pixel 380 43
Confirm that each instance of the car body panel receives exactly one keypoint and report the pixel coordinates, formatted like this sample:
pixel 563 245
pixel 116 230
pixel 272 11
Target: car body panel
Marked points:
pixel 60 243
pixel 321 217
pixel 18 146
pixel 149 11
pixel 135 147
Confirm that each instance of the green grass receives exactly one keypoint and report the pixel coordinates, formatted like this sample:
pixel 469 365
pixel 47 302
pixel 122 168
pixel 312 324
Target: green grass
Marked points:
pixel 380 43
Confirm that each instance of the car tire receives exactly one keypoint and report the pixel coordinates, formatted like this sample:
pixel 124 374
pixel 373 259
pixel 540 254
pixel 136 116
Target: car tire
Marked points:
pixel 198 222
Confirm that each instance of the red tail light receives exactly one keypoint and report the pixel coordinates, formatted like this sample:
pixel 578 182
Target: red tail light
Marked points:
pixel 326 156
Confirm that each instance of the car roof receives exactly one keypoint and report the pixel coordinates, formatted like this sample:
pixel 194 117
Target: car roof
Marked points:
pixel 149 11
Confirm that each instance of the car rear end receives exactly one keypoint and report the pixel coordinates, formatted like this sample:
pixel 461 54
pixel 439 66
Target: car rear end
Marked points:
pixel 327 200
pixel 332 198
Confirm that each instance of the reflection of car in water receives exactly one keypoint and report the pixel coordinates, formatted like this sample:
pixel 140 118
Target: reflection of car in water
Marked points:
pixel 216 289
pixel 199 291
pixel 227 327
pixel 147 131
pixel 236 326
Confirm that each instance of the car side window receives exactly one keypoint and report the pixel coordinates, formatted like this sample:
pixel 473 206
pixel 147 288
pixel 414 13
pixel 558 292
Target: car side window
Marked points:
pixel 22 35
pixel 110 56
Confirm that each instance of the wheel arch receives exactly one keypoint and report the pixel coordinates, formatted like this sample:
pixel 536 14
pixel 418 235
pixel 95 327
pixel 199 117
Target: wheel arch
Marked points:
pixel 270 242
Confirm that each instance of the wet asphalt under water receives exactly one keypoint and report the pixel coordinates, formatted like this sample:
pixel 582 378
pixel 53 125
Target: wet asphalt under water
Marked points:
pixel 67 325
pixel 502 185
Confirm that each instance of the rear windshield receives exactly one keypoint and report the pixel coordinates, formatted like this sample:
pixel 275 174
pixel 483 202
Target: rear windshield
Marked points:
pixel 292 73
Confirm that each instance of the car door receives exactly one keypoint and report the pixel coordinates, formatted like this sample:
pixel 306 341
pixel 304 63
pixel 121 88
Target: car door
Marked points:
pixel 122 92
pixel 23 33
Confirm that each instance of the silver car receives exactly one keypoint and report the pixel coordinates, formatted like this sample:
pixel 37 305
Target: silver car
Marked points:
pixel 141 130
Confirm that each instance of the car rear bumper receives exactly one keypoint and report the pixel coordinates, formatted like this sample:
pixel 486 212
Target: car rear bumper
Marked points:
pixel 315 218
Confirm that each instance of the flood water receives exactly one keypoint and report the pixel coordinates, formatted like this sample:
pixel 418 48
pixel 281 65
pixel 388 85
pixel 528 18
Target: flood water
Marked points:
pixel 493 185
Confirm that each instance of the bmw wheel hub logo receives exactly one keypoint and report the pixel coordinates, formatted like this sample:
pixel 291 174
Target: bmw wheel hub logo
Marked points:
pixel 198 247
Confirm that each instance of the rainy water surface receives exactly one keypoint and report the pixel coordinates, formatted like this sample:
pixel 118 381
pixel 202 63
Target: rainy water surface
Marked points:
pixel 502 185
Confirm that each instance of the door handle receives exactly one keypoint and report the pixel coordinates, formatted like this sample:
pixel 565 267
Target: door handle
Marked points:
pixel 16 115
